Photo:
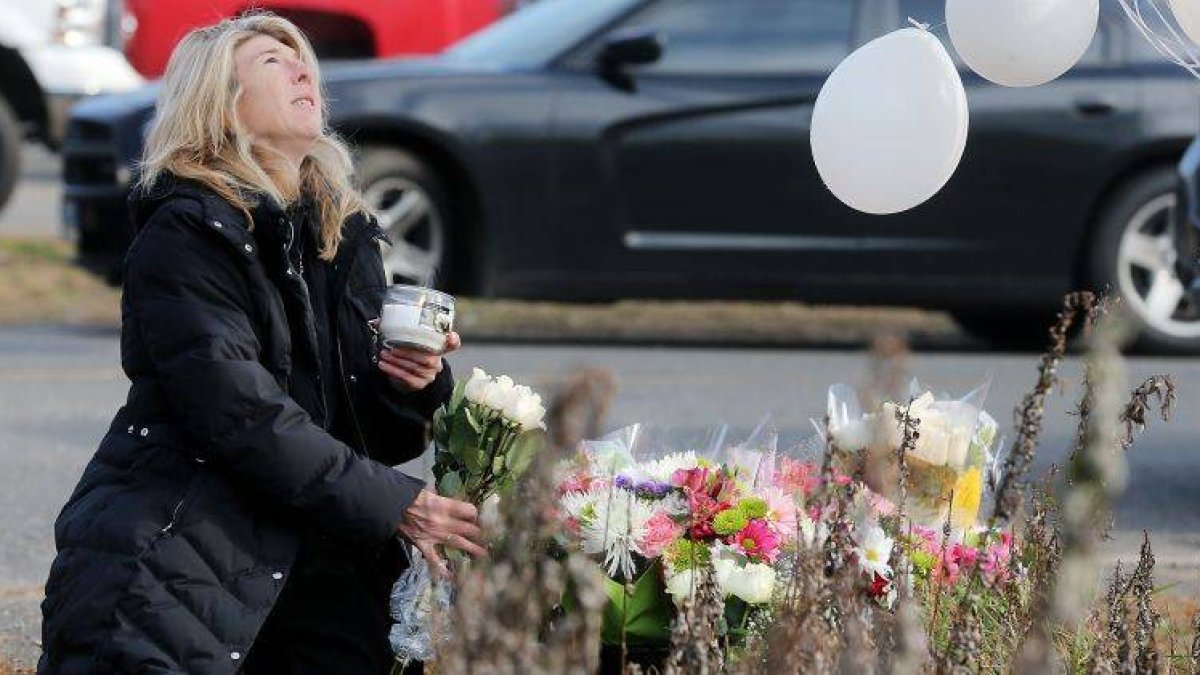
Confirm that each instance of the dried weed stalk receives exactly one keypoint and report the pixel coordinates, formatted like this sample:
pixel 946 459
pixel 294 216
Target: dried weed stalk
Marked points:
pixel 1141 585
pixel 1161 387
pixel 1010 493
pixel 695 635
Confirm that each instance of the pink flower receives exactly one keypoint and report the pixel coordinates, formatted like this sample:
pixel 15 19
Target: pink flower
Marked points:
pixel 691 480
pixel 661 531
pixel 703 509
pixel 881 506
pixel 783 512
pixel 757 541
pixel 953 561
pixel 794 476
pixel 996 560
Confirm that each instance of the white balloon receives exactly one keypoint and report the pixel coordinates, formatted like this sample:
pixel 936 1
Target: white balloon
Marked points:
pixel 1022 43
pixel 890 124
pixel 1187 13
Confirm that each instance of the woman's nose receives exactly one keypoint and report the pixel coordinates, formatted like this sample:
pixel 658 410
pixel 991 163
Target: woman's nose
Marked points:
pixel 301 73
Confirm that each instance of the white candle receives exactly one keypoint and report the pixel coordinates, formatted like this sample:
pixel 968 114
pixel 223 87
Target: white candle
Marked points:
pixel 401 325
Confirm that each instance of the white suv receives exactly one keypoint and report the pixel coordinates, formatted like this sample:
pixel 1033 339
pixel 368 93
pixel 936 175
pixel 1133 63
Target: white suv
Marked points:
pixel 53 53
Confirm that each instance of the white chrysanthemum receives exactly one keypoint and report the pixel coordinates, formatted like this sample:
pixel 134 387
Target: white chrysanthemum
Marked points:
pixel 581 505
pixel 619 523
pixel 661 469
pixel 874 550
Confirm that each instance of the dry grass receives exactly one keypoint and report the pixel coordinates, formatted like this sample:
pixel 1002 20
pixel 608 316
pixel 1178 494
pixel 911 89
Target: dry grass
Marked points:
pixel 9 668
pixel 752 323
pixel 39 284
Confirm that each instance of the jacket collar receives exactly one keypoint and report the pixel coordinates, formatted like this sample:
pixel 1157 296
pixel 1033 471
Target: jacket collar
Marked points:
pixel 231 223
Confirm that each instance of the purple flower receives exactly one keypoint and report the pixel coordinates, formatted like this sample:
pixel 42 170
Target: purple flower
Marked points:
pixel 652 489
pixel 623 482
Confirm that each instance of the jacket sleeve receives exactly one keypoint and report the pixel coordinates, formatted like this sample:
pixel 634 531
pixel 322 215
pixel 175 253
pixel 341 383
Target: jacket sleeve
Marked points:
pixel 190 298
pixel 397 423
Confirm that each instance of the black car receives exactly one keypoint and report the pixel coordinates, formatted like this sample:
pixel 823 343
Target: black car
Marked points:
pixel 600 149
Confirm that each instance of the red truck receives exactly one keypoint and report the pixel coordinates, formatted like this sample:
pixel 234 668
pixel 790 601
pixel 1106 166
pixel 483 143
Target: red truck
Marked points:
pixel 339 29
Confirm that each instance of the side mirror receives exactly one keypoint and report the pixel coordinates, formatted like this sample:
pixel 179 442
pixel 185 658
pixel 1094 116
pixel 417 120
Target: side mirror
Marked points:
pixel 627 49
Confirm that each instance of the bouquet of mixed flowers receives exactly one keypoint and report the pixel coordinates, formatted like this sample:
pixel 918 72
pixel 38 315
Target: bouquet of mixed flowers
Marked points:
pixel 948 460
pixel 653 524
pixel 485 437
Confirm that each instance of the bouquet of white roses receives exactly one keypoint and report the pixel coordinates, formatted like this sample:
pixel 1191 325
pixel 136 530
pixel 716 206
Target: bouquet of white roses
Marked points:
pixel 485 437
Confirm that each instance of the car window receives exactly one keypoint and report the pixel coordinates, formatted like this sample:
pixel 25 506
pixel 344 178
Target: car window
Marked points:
pixel 534 35
pixel 933 12
pixel 748 36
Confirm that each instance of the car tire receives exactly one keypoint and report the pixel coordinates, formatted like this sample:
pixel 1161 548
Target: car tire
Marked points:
pixel 11 139
pixel 1023 331
pixel 1133 254
pixel 414 211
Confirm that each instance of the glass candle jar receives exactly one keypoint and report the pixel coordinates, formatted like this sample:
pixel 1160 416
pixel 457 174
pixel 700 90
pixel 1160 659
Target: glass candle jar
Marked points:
pixel 414 316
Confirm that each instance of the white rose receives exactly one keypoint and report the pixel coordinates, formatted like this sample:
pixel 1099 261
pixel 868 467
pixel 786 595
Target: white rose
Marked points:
pixel 512 406
pixel 499 393
pixel 529 412
pixel 476 386
pixel 753 582
pixel 723 567
pixel 681 585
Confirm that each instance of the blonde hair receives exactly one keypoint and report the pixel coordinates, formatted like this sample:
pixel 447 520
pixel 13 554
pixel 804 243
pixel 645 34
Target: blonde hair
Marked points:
pixel 196 133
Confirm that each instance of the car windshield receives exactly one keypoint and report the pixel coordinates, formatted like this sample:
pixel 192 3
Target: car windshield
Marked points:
pixel 533 36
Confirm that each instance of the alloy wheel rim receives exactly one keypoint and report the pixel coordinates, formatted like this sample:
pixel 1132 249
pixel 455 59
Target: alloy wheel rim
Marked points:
pixel 411 220
pixel 1146 275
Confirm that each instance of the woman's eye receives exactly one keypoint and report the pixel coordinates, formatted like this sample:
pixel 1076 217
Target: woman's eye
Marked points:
pixel 272 59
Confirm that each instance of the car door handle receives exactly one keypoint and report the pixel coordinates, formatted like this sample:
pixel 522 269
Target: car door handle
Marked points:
pixel 1095 106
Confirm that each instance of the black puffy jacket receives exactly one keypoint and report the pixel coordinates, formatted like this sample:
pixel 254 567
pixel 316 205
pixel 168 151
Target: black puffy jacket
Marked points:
pixel 182 531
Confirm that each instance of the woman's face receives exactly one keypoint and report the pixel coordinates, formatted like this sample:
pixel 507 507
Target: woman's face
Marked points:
pixel 280 105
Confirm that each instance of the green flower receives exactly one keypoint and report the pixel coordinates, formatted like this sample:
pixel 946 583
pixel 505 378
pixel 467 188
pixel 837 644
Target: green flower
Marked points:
pixel 753 507
pixel 685 554
pixel 730 521
pixel 587 514
pixel 923 561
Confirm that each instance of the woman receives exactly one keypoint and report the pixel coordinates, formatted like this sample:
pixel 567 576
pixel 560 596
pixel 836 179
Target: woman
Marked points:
pixel 241 513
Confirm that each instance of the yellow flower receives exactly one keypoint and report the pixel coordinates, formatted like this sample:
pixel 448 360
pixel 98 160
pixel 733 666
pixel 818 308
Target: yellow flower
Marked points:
pixel 968 492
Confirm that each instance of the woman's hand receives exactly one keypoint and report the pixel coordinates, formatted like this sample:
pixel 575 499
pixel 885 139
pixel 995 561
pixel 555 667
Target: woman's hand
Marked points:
pixel 434 521
pixel 413 369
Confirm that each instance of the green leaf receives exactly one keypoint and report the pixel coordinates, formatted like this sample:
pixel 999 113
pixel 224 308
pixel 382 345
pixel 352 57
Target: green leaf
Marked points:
pixel 642 608
pixel 472 419
pixel 458 396
pixel 526 447
pixel 451 485
pixel 464 444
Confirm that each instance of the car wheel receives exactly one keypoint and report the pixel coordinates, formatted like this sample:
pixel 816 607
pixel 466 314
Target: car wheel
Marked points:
pixel 410 201
pixel 1134 255
pixel 10 151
